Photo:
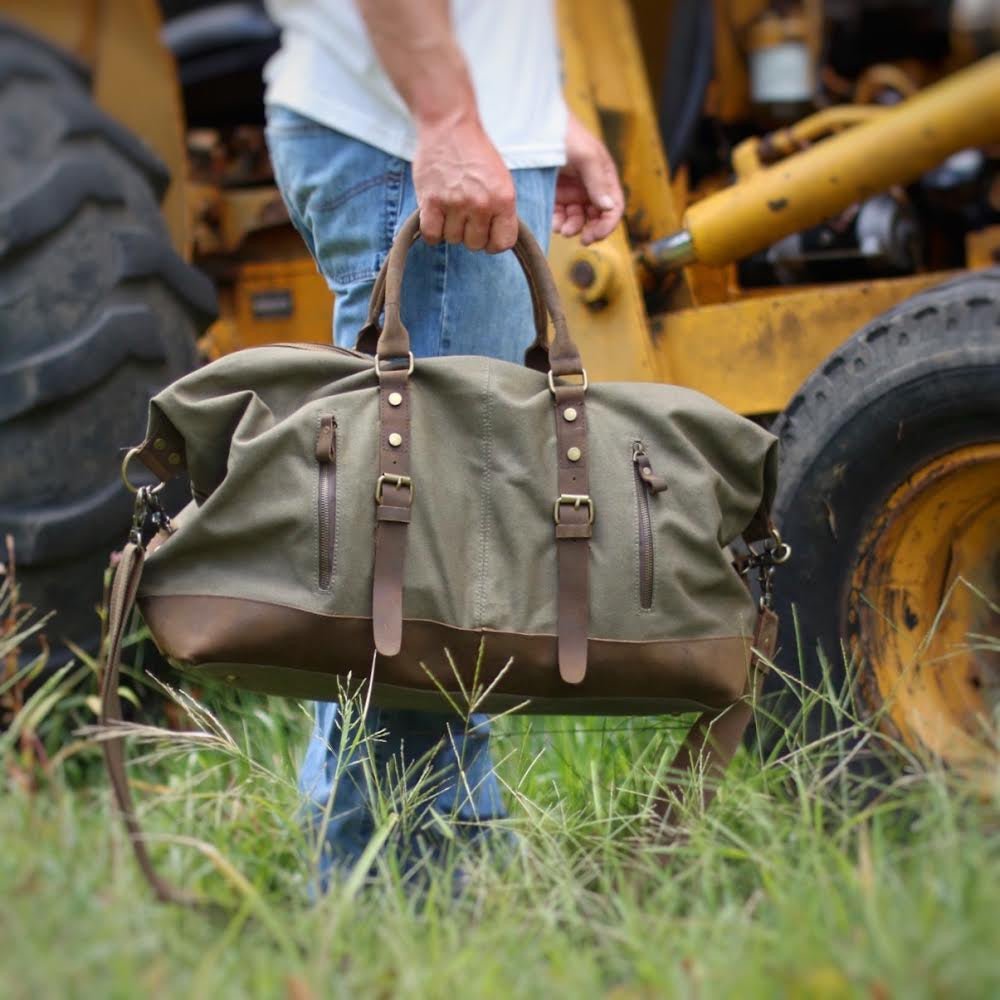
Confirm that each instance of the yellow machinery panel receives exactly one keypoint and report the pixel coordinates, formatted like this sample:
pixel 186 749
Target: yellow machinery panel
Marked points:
pixel 272 302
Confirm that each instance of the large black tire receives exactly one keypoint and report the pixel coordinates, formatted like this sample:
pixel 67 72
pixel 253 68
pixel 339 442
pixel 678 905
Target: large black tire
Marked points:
pixel 917 383
pixel 97 312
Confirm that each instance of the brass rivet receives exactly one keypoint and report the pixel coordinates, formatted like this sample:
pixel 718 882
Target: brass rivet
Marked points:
pixel 230 678
pixel 574 454
pixel 570 414
pixel 159 444
pixel 395 439
pixel 174 458
pixel 647 472
pixel 395 399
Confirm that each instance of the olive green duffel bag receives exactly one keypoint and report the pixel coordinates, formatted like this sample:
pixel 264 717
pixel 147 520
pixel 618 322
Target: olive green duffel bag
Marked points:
pixel 566 544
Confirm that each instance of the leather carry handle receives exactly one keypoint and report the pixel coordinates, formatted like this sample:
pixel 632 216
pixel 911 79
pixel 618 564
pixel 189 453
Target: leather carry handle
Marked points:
pixel 394 340
pixel 536 356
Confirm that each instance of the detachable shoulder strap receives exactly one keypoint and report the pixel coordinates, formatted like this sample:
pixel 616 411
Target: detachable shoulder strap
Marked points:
pixel 716 736
pixel 120 605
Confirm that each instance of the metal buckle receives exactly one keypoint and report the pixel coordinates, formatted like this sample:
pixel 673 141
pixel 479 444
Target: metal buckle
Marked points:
pixel 582 372
pixel 398 481
pixel 575 499
pixel 378 365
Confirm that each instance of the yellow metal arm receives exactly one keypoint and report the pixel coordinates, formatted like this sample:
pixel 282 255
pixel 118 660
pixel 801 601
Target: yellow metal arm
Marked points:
pixel 808 187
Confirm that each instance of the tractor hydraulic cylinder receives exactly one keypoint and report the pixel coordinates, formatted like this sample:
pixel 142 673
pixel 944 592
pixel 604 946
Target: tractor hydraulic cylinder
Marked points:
pixel 959 112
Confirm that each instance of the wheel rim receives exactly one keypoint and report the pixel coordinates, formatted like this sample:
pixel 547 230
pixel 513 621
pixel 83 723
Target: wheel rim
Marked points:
pixel 923 618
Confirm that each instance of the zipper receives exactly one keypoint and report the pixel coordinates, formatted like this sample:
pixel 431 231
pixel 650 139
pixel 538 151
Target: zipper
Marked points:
pixel 647 484
pixel 326 458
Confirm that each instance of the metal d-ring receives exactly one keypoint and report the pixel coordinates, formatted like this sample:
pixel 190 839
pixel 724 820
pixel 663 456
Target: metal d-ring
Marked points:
pixel 782 551
pixel 129 455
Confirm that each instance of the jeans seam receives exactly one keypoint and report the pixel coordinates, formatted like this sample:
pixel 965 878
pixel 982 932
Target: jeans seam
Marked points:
pixel 329 205
pixel 444 340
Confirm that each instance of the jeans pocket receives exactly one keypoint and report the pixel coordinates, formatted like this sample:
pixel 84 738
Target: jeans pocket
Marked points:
pixel 342 194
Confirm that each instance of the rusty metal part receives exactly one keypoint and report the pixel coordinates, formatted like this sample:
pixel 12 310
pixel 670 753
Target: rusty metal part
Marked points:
pixel 593 273
pixel 920 611
pixel 808 187
pixel 135 80
pixel 222 220
pixel 982 247
pixel 271 302
pixel 876 80
pixel 754 153
pixel 606 87
pixel 753 354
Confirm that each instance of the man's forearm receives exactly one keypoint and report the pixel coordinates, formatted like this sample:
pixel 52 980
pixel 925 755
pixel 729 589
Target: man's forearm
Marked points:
pixel 464 190
pixel 416 45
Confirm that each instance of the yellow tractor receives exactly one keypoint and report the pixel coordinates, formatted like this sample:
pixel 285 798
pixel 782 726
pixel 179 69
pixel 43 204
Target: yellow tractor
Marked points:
pixel 812 226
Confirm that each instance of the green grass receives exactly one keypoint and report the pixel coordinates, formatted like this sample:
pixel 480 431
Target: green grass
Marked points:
pixel 799 881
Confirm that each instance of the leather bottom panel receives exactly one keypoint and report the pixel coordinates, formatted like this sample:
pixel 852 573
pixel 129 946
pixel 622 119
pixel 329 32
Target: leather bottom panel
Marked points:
pixel 288 651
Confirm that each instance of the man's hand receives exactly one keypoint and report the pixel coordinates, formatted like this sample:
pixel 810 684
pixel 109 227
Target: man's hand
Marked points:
pixel 464 190
pixel 589 198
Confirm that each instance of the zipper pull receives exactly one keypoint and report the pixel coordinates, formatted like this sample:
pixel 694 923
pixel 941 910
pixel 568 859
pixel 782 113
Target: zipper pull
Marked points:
pixel 654 483
pixel 326 440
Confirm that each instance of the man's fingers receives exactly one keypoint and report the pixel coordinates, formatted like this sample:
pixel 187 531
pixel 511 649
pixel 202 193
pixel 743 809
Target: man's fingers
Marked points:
pixel 431 222
pixel 454 226
pixel 477 232
pixel 598 229
pixel 503 231
pixel 599 177
pixel 573 221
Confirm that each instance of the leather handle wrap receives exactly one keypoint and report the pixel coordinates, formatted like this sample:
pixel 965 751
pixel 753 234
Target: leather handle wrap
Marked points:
pixel 394 340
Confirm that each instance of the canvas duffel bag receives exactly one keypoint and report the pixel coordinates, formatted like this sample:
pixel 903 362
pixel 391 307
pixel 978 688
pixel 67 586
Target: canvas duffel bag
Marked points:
pixel 450 528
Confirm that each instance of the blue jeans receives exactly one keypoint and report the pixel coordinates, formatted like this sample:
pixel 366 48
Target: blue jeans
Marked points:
pixel 348 199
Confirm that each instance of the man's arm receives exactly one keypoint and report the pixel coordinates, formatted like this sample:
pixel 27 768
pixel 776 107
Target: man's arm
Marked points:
pixel 464 190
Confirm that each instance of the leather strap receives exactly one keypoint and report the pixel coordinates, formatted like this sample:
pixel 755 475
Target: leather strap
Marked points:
pixel 573 508
pixel 394 499
pixel 716 736
pixel 120 605
pixel 574 516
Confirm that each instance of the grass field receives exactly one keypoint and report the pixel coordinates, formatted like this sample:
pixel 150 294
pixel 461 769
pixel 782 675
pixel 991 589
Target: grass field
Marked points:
pixel 798 882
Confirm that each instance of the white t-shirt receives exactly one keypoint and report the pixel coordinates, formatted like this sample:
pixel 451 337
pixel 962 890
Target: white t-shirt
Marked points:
pixel 327 70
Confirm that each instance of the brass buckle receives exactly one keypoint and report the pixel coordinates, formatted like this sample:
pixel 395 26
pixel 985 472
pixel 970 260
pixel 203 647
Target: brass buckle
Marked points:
pixel 398 481
pixel 584 385
pixel 378 366
pixel 576 499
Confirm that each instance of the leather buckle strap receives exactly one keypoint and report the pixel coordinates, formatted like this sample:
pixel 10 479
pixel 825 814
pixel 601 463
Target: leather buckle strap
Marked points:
pixel 394 499
pixel 573 514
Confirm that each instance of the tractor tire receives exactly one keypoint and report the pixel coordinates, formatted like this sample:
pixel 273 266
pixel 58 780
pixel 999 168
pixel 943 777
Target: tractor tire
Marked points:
pixel 880 449
pixel 97 313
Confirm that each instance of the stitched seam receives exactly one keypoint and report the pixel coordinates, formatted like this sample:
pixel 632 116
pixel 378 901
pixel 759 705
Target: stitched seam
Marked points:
pixel 396 186
pixel 485 493
pixel 149 595
pixel 444 303
pixel 328 205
